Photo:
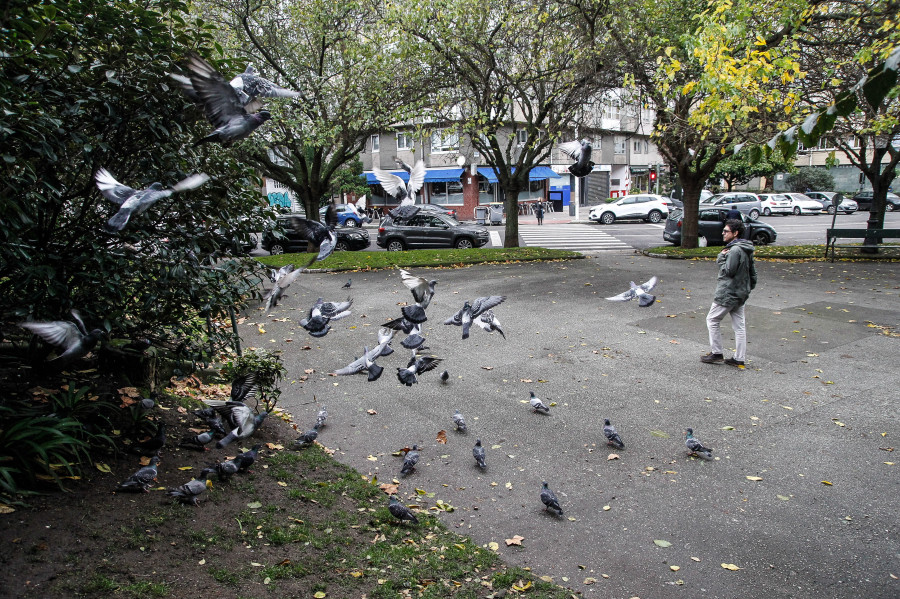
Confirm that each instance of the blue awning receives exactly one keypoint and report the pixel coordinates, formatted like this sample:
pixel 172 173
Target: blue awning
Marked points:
pixel 371 180
pixel 443 175
pixel 538 173
pixel 488 173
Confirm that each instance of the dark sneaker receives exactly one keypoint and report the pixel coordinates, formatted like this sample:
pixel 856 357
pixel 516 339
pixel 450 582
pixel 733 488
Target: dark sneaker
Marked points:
pixel 712 358
pixel 733 362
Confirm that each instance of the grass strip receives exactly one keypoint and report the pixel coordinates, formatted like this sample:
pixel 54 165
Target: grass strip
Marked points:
pixel 785 252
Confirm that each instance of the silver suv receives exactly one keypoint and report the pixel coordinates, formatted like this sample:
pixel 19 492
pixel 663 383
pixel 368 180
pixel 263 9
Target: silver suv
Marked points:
pixel 746 202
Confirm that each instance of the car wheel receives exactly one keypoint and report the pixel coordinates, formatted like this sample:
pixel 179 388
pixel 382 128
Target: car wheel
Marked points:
pixel 754 214
pixel 464 244
pixel 889 208
pixel 276 249
pixel 655 216
pixel 830 210
pixel 607 218
pixel 351 222
pixel 341 246
pixel 760 238
pixel 395 245
pixel 796 210
pixel 767 212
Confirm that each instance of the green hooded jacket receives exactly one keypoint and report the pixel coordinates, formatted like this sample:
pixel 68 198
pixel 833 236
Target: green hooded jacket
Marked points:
pixel 737 274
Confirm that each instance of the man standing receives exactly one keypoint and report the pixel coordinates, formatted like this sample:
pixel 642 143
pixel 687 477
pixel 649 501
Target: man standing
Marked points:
pixel 737 277
pixel 539 212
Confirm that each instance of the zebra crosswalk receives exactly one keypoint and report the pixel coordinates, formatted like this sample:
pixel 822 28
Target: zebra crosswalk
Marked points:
pixel 570 237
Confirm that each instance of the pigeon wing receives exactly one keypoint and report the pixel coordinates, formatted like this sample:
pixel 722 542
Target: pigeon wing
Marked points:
pixel 486 303
pixel 456 318
pixel 354 367
pixel 649 284
pixel 418 285
pixel 111 189
pixel 572 149
pixel 416 177
pixel 58 332
pixel 624 296
pixel 391 183
pixel 220 101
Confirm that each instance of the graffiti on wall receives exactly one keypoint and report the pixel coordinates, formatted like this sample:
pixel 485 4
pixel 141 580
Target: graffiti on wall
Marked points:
pixel 281 199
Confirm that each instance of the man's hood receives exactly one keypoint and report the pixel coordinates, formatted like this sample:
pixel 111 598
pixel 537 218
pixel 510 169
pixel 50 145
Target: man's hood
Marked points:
pixel 745 245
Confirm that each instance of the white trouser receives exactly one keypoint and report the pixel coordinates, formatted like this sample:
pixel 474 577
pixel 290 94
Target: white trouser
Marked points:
pixel 714 319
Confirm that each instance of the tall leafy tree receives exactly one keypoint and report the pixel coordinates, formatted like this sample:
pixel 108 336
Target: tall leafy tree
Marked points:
pixel 740 168
pixel 522 72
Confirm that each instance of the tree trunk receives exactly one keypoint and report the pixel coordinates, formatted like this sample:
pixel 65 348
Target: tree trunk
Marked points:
pixel 691 185
pixel 511 203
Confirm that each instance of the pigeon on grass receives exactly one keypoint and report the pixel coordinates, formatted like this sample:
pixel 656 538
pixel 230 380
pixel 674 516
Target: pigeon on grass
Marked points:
pixel 537 405
pixel 400 511
pixel 695 446
pixel 306 439
pixel 223 470
pixel 140 481
pixel 189 493
pixel 580 152
pixel 642 292
pixel 410 461
pixel 133 202
pixel 548 498
pixel 73 338
pixel 478 453
pixel 612 436
pixel 246 459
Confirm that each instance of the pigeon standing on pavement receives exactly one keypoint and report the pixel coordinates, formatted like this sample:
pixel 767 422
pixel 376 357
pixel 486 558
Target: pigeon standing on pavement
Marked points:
pixel 478 452
pixel 189 493
pixel 222 105
pixel 73 338
pixel 642 292
pixel 198 441
pixel 321 417
pixel 548 498
pixel 348 283
pixel 320 236
pixel 409 375
pixel 283 279
pixel 140 481
pixel 459 422
pixel 400 511
pixel 410 461
pixel 472 310
pixel 445 376
pixel 612 436
pixel 133 202
pixel 695 446
pixel 537 405
pixel 580 152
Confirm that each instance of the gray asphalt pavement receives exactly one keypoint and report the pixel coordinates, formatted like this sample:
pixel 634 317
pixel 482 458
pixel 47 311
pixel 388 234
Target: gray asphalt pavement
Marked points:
pixel 818 402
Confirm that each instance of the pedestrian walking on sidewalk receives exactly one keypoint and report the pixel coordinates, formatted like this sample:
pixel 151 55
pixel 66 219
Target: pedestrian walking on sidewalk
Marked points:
pixel 539 213
pixel 737 277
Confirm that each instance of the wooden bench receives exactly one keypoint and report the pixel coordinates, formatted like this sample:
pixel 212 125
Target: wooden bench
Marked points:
pixel 876 237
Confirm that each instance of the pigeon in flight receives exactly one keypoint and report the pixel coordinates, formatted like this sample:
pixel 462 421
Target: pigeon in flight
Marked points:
pixel 422 289
pixel 320 236
pixel 580 152
pixel 537 405
pixel 140 481
pixel 306 439
pixel 414 340
pixel 489 323
pixel 335 310
pixel 478 452
pixel 405 192
pixel 236 413
pixel 348 284
pixel 642 292
pixel 213 420
pixel 459 421
pixel 321 417
pixel 472 310
pixel 400 511
pixel 249 86
pixel 410 461
pixel 695 446
pixel 133 202
pixel 364 363
pixel 318 319
pixel 283 279
pixel 222 104
pixel 612 436
pixel 408 376
pixel 243 387
pixel 189 493
pixel 73 338
pixel 548 498
pixel 198 441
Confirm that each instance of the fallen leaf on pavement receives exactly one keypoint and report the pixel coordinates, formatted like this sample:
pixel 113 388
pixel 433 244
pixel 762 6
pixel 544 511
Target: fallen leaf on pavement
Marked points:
pixel 516 540
pixel 442 437
pixel 661 543
pixel 730 567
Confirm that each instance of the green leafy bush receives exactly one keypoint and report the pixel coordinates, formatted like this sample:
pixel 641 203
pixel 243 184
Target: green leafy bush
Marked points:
pixel 269 371
pixel 811 178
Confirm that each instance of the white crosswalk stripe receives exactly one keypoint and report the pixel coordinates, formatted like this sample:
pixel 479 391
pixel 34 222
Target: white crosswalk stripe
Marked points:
pixel 570 237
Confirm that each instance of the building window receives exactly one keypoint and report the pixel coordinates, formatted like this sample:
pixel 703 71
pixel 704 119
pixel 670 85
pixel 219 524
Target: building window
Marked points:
pixel 521 137
pixel 620 145
pixel 376 142
pixel 447 193
pixel 637 147
pixel 535 192
pixel 404 141
pixel 442 141
pixel 825 144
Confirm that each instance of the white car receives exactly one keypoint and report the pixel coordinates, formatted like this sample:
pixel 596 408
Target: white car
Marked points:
pixel 643 206
pixel 845 205
pixel 776 203
pixel 803 204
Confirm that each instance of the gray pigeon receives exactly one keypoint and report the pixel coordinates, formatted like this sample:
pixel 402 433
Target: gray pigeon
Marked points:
pixel 316 323
pixel 396 187
pixel 320 236
pixel 445 376
pixel 140 481
pixel 400 511
pixel 72 338
pixel 695 446
pixel 472 310
pixel 408 376
pixel 410 461
pixel 422 289
pixel 642 292
pixel 249 86
pixel 283 279
pixel 364 363
pixel 321 417
pixel 133 202
pixel 307 438
pixel 335 310
pixel 489 323
pixel 459 422
pixel 478 452
pixel 414 340
pixel 348 284
pixel 236 413
pixel 213 420
pixel 243 387
pixel 197 441
pixel 190 492
pixel 612 436
pixel 537 405
pixel 548 498
pixel 580 152
pixel 246 459
pixel 223 106
pixel 223 470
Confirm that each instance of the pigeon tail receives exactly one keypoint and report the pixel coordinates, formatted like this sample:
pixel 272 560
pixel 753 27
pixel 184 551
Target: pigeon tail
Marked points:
pixel 375 372
pixel 646 300
pixel 227 440
pixel 407 377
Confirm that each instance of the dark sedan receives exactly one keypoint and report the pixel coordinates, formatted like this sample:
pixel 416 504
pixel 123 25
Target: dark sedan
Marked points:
pixel 710 225
pixel 864 200
pixel 432 230
pixel 347 239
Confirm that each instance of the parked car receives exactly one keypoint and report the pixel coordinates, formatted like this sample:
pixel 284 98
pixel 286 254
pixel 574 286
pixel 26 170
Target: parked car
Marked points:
pixel 429 230
pixel 356 239
pixel 775 203
pixel 676 199
pixel 864 201
pixel 646 206
pixel 748 203
pixel 803 204
pixel 347 216
pixel 845 205
pixel 232 243
pixel 710 224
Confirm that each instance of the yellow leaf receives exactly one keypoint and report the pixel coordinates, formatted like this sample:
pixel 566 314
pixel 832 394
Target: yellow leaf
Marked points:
pixel 612 456
pixel 493 546
pixel 730 567
pixel 606 508
pixel 754 478
pixel 319 595
pixel 825 482
pixel 838 422
pixel 281 483
pixel 6 509
pixel 102 467
pixel 372 458
pixel 674 568
pixel 186 468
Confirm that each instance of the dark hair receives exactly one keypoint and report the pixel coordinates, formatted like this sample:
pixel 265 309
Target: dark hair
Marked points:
pixel 736 226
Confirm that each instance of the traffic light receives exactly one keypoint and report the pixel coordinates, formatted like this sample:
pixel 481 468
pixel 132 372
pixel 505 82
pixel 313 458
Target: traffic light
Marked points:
pixel 653 175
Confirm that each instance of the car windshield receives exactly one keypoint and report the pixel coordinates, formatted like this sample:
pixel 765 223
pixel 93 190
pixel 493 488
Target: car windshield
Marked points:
pixel 450 220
